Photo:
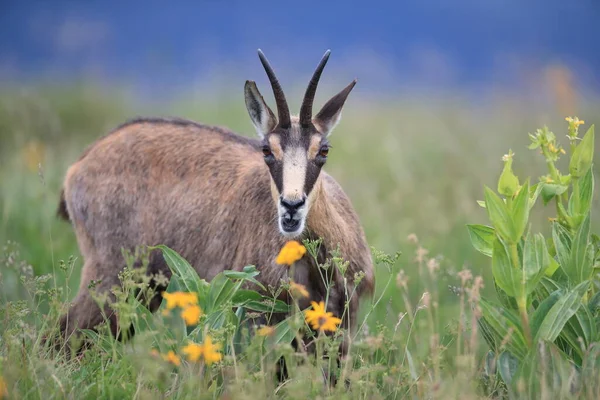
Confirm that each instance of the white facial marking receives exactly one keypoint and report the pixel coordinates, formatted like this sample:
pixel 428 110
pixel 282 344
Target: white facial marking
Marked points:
pixel 294 173
pixel 294 176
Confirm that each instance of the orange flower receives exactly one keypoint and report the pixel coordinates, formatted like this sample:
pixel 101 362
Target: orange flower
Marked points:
pixel 172 358
pixel 180 299
pixel 320 319
pixel 298 290
pixel 291 252
pixel 207 351
pixel 191 315
pixel 265 331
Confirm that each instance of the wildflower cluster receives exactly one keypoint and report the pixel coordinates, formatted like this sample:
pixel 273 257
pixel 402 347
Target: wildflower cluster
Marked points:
pixel 207 351
pixel 188 302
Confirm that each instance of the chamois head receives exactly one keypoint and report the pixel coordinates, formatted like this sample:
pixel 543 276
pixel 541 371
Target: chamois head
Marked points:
pixel 294 148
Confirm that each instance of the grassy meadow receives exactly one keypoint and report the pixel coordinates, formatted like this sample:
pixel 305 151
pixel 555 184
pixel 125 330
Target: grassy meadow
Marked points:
pixel 413 168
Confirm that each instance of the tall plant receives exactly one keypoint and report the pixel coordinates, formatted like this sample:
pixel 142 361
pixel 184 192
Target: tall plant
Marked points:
pixel 548 300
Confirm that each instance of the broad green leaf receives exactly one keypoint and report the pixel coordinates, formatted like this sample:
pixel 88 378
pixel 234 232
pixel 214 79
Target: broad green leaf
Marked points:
pixel 505 324
pixel 506 300
pixel 283 332
pixel 581 266
pixel 482 238
pixel 580 205
pixel 507 366
pixel 542 310
pixel 550 190
pixel 248 274
pixel 534 192
pixel 583 155
pixel 546 364
pixel 535 261
pixel 505 275
pixel 520 212
pixel 243 296
pixel 498 214
pixel 492 338
pixel 221 291
pixel 180 267
pixel 267 306
pixel 256 302
pixel 562 244
pixel 583 326
pixel 560 312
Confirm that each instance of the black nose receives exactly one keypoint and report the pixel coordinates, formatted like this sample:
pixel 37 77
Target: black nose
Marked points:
pixel 292 205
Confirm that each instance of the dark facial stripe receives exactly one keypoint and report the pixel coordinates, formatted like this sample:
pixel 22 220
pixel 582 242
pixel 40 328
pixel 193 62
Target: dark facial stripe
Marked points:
pixel 312 173
pixel 276 168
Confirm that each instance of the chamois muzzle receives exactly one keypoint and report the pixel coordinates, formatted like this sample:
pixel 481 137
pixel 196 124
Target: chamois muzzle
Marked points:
pixel 293 214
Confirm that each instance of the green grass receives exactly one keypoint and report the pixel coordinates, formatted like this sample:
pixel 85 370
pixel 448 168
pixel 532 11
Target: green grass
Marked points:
pixel 410 166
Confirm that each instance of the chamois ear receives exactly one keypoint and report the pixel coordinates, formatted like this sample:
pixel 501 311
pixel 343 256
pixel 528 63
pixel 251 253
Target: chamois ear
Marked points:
pixel 331 113
pixel 262 117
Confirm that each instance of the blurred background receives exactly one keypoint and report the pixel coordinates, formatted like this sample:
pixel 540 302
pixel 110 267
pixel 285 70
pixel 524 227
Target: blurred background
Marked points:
pixel 444 90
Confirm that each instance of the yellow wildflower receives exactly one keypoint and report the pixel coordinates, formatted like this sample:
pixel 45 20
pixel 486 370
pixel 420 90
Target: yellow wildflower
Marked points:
pixel 191 314
pixel 265 331
pixel 298 290
pixel 563 151
pixel 291 252
pixel 320 319
pixel 552 148
pixel 3 388
pixel 172 358
pixel 575 121
pixel 207 351
pixel 180 299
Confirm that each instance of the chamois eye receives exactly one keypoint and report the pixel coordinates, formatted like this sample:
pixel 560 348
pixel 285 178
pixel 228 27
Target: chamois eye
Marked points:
pixel 324 151
pixel 266 151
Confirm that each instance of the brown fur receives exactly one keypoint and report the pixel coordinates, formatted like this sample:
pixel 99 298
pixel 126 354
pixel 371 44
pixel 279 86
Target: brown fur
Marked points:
pixel 205 192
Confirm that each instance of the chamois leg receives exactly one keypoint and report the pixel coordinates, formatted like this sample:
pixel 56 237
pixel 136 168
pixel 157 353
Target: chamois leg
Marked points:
pixel 85 312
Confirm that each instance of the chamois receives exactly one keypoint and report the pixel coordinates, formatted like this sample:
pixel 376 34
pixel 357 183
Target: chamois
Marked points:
pixel 219 199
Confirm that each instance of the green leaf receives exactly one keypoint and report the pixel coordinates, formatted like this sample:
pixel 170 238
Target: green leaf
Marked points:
pixel 581 266
pixel 498 214
pixel 542 310
pixel 583 326
pixel 560 312
pixel 481 203
pixel 549 190
pixel 221 291
pixel 283 332
pixel 505 275
pixel 180 267
pixel 535 261
pixel 562 244
pixel 583 155
pixel 248 274
pixel 507 366
pixel 482 238
pixel 534 192
pixel 580 205
pixel 267 306
pixel 520 213
pixel 503 324
pixel 257 302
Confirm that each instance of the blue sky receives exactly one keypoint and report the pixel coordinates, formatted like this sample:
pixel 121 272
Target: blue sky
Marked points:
pixel 385 44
